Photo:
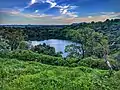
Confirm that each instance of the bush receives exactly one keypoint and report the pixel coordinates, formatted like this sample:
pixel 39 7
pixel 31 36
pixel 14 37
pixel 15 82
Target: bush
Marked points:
pixel 21 75
pixel 28 55
pixel 97 63
pixel 116 56
pixel 45 49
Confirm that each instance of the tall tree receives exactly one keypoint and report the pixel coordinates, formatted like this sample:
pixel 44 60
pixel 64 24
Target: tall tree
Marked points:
pixel 4 46
pixel 102 40
pixel 74 51
pixel 15 37
pixel 85 38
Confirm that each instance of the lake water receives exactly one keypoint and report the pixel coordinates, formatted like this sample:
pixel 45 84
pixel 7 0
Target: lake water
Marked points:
pixel 59 45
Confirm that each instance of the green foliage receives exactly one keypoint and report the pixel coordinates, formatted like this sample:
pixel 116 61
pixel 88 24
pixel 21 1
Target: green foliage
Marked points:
pixel 74 51
pixel 19 71
pixel 4 46
pixel 116 56
pixel 20 75
pixel 28 55
pixel 110 28
pixel 45 49
pixel 15 36
pixel 92 43
pixel 94 62
pixel 23 45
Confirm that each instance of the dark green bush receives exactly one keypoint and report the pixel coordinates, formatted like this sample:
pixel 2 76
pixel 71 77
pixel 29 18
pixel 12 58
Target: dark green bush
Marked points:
pixel 45 49
pixel 116 56
pixel 28 55
pixel 97 63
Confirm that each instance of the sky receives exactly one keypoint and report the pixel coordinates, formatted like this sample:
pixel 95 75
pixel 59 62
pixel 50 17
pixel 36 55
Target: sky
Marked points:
pixel 57 12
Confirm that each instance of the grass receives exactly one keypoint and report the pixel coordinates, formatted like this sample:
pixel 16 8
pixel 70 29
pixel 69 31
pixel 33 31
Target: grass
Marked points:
pixel 30 75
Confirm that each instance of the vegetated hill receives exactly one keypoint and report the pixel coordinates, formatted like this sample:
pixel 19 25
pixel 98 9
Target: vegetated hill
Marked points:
pixel 29 75
pixel 110 28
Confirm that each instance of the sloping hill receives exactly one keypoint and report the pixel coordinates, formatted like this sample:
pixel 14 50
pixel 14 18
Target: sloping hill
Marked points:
pixel 21 75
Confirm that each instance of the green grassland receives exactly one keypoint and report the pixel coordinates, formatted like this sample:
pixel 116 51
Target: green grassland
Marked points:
pixel 30 75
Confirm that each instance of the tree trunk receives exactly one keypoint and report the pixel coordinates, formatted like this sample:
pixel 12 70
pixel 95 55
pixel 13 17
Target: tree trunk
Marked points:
pixel 105 51
pixel 83 52
pixel 107 62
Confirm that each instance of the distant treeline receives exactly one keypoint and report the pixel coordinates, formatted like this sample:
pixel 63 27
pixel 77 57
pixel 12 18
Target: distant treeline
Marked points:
pixel 36 32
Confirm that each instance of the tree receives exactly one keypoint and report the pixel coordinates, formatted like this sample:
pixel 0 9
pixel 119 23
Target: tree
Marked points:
pixel 23 45
pixel 14 37
pixel 4 46
pixel 74 51
pixel 102 40
pixel 92 43
pixel 45 49
pixel 85 38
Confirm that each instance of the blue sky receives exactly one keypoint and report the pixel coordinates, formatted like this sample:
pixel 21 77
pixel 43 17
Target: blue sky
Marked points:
pixel 57 11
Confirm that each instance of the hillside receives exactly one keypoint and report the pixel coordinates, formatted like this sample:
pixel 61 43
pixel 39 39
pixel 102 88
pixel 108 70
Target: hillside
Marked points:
pixel 29 75
pixel 59 44
pixel 86 67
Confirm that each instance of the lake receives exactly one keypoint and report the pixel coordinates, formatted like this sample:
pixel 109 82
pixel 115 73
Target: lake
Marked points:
pixel 59 45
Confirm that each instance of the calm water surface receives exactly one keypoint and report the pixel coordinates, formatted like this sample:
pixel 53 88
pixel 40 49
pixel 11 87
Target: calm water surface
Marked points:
pixel 59 45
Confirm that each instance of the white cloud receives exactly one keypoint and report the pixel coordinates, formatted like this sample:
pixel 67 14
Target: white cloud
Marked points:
pixel 63 9
pixel 72 14
pixel 36 16
pixel 107 13
pixel 66 10
pixel 32 2
pixel 29 4
pixel 73 7
pixel 89 16
pixel 52 3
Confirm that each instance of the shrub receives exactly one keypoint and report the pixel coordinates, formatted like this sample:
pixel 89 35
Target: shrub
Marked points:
pixel 21 75
pixel 28 55
pixel 97 63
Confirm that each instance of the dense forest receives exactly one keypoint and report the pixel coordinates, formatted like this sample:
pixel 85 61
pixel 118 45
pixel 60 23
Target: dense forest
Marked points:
pixel 94 64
